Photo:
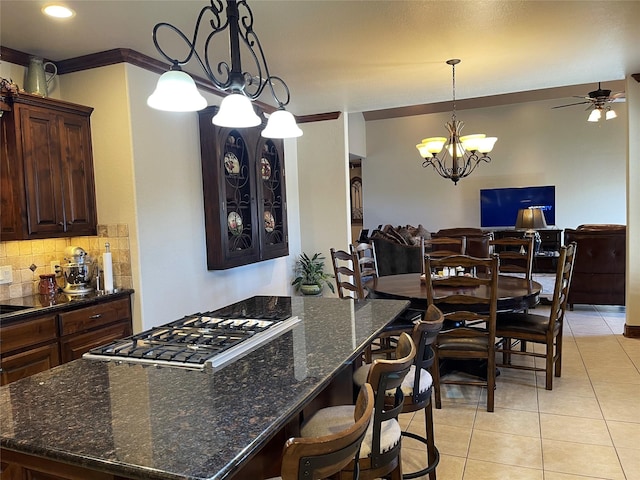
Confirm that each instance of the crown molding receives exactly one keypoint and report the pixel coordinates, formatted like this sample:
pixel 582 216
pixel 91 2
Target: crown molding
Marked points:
pixel 126 55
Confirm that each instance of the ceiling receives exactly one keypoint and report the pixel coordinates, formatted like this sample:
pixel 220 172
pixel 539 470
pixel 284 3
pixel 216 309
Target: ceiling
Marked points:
pixel 364 55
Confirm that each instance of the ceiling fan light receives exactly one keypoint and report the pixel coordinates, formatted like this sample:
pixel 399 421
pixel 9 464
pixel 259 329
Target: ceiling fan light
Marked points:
pixel 281 124
pixel 236 111
pixel 594 116
pixel 610 114
pixel 176 92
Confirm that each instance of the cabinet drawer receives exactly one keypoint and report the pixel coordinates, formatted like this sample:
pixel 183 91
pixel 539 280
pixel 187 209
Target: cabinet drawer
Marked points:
pixel 30 332
pixel 93 317
pixel 27 363
pixel 73 347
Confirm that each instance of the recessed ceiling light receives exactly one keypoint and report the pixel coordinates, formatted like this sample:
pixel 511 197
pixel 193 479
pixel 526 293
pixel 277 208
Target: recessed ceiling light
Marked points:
pixel 58 11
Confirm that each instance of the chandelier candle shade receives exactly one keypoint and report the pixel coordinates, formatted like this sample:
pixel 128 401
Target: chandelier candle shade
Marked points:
pixel 456 156
pixel 176 91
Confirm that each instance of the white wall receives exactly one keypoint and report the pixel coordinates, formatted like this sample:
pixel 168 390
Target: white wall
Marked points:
pixel 633 204
pixel 537 145
pixel 169 202
pixel 323 181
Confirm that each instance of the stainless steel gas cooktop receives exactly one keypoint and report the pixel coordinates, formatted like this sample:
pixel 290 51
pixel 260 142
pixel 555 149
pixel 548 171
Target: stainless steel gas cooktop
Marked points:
pixel 199 341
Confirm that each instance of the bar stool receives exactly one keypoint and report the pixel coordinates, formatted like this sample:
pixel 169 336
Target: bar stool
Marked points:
pixel 380 452
pixel 321 457
pixel 417 386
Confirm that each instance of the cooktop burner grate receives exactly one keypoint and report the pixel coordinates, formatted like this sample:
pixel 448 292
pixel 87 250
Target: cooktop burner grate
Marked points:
pixel 196 341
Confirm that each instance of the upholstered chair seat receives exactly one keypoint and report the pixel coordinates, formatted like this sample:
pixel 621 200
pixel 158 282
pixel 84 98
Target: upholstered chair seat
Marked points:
pixel 331 420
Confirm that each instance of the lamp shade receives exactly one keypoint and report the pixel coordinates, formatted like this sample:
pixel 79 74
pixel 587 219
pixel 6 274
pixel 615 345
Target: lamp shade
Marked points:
pixel 594 116
pixel 176 92
pixel 530 219
pixel 236 111
pixel 281 124
pixel 431 146
pixel 610 115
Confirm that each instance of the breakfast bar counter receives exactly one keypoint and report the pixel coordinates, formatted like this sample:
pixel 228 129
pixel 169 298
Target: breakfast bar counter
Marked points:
pixel 115 419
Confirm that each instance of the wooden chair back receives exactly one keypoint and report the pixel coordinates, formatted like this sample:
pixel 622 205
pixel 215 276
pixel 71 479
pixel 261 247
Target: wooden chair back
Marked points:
pixel 516 255
pixel 347 274
pixel 367 262
pixel 383 376
pixel 424 335
pixel 445 246
pixel 564 274
pixel 469 301
pixel 322 457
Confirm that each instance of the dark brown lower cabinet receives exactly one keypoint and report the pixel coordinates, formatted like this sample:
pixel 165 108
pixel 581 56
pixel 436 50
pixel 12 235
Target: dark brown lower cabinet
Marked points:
pixel 38 343
pixel 73 347
pixel 25 364
pixel 18 466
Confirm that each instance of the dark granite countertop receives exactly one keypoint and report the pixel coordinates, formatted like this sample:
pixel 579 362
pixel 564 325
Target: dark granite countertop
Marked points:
pixel 171 423
pixel 41 304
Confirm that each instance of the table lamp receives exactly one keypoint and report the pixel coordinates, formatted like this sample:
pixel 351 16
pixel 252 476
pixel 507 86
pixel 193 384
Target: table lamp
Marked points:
pixel 531 219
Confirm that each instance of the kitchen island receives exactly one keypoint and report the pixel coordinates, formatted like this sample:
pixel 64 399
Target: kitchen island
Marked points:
pixel 110 419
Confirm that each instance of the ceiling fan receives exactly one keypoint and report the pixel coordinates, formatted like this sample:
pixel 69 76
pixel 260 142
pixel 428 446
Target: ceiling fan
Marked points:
pixel 599 101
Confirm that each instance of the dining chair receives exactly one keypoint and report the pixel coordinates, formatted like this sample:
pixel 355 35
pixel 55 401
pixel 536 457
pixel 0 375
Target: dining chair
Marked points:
pixel 545 330
pixel 367 262
pixel 380 450
pixel 351 270
pixel 347 273
pixel 417 386
pixel 445 246
pixel 309 458
pixel 470 302
pixel 516 255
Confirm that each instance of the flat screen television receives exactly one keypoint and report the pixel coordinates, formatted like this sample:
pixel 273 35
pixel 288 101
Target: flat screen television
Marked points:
pixel 499 206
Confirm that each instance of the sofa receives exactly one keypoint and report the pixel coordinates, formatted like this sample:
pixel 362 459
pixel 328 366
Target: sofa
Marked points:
pixel 600 264
pixel 399 249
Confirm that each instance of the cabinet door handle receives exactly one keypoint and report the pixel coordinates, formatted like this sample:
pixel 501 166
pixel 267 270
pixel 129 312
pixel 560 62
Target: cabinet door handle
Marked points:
pixel 97 315
pixel 61 224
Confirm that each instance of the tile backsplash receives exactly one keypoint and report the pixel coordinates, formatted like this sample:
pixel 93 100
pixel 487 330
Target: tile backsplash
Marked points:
pixel 31 258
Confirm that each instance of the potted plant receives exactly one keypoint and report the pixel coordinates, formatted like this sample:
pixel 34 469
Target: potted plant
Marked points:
pixel 310 276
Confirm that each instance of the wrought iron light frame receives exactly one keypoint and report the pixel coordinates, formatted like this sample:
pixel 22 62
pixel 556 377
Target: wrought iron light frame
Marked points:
pixel 466 152
pixel 237 19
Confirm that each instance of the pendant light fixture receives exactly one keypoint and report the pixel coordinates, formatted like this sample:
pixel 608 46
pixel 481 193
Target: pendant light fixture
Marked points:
pixel 455 157
pixel 177 92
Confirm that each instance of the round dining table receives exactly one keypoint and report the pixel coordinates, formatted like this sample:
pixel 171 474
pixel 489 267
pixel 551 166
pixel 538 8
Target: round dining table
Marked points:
pixel 514 293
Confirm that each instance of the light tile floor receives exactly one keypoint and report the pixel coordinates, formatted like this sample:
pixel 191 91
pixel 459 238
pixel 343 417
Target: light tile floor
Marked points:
pixel 586 428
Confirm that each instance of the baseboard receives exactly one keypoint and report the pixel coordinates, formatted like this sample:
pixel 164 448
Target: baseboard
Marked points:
pixel 631 331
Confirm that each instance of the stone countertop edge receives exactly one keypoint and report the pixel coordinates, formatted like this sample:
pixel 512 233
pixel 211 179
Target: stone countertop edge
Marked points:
pixel 145 422
pixel 35 306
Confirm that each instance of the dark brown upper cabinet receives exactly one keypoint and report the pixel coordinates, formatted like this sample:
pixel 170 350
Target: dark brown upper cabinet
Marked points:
pixel 244 194
pixel 48 186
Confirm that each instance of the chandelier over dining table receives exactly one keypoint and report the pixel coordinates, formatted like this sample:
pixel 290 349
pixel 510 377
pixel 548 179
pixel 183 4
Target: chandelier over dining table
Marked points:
pixel 176 91
pixel 455 156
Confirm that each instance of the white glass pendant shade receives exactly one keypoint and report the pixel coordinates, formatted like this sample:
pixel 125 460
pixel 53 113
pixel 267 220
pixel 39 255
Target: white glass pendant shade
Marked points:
pixel 281 124
pixel 610 115
pixel 176 92
pixel 236 111
pixel 594 116
pixel 471 142
pixel 485 145
pixel 431 146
